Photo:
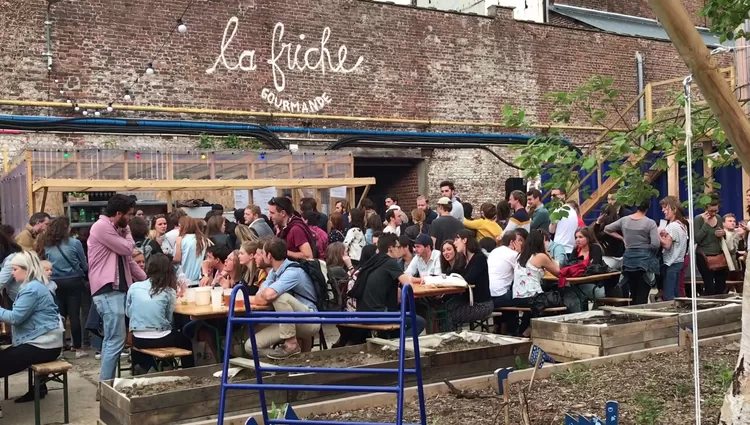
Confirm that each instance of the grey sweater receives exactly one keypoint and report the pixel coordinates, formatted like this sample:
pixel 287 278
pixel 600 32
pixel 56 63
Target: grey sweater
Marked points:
pixel 639 234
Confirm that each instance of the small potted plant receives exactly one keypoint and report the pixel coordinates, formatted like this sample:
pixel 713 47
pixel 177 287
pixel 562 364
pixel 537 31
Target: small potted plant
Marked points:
pixel 78 197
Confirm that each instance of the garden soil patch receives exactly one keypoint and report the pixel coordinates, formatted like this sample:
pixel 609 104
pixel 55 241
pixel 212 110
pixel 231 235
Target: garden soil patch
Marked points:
pixel 183 384
pixel 460 345
pixel 336 360
pixel 612 319
pixel 687 308
pixel 654 390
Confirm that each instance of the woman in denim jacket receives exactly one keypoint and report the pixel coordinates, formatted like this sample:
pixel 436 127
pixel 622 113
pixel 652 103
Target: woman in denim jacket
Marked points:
pixel 37 328
pixel 150 306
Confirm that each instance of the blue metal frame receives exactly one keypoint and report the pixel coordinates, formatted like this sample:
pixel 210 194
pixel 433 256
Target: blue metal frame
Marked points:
pixel 328 317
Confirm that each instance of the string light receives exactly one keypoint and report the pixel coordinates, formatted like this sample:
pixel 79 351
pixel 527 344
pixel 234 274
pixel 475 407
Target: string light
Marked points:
pixel 262 155
pixel 137 155
pixel 66 155
pixel 68 100
pixel 150 69
pixel 85 112
pixel 109 107
pixel 76 107
pixel 181 27
pixel 127 96
pixel 203 156
pixel 97 113
pixel 62 91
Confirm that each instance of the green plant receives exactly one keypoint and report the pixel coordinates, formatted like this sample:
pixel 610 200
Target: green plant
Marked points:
pixel 682 389
pixel 233 141
pixel 575 376
pixel 206 141
pixel 650 409
pixel 521 363
pixel 110 143
pixel 277 412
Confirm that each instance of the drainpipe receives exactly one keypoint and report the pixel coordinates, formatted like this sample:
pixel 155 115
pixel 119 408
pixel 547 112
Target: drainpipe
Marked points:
pixel 48 36
pixel 641 88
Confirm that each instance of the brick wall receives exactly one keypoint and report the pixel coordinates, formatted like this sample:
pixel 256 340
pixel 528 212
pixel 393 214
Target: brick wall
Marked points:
pixel 407 190
pixel 417 64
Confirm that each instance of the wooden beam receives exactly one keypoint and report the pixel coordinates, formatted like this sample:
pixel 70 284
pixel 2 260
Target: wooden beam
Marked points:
pixel 83 185
pixel 364 195
pixel 31 200
pixel 169 201
pixel 745 189
pixel 707 168
pixel 714 89
pixel 673 176
pixel 44 199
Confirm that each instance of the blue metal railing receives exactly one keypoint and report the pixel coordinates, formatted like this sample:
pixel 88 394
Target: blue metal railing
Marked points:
pixel 337 317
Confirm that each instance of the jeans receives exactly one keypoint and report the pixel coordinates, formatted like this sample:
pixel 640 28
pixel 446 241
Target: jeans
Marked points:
pixel 19 358
pixel 671 280
pixel 85 308
pixel 639 286
pixel 69 293
pixel 111 308
pixel 714 281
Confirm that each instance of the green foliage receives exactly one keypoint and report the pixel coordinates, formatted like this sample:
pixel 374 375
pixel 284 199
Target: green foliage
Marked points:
pixel 521 363
pixel 575 376
pixel 206 141
pixel 233 141
pixel 726 16
pixel 632 148
pixel 650 409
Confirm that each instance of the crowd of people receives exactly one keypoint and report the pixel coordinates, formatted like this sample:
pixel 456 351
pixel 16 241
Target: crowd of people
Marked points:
pixel 126 273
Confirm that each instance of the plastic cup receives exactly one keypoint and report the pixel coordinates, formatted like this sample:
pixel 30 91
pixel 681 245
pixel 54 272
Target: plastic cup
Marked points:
pixel 217 296
pixel 190 295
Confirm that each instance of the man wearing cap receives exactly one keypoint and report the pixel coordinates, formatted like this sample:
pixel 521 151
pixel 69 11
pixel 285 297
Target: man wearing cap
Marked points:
pixel 445 226
pixel 426 262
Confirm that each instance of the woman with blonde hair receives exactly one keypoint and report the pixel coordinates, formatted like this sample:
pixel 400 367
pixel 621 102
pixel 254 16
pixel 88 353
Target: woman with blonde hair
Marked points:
pixel 253 275
pixel 418 217
pixel 234 273
pixel 190 249
pixel 37 327
pixel 244 234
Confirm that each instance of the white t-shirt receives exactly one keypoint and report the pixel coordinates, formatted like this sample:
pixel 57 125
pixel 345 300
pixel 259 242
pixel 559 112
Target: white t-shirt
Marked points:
pixel 170 239
pixel 565 234
pixel 390 229
pixel 500 265
pixel 418 267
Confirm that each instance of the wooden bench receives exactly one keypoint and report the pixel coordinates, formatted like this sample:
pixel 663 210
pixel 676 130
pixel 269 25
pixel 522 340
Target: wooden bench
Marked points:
pixel 736 285
pixel 164 355
pixel 378 328
pixel 550 310
pixel 614 301
pixel 40 374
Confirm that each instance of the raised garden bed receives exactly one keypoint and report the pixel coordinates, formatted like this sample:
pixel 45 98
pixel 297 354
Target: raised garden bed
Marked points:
pixel 598 333
pixel 716 316
pixel 656 388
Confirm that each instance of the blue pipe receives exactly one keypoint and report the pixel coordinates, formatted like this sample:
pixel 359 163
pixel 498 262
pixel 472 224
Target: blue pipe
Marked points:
pixel 203 125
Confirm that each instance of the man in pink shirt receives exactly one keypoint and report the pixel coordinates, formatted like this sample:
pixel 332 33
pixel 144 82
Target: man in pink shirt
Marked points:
pixel 111 271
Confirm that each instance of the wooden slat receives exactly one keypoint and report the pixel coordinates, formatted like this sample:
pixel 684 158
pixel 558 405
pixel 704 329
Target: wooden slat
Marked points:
pixel 611 341
pixel 569 349
pixel 51 367
pixel 642 345
pixel 165 352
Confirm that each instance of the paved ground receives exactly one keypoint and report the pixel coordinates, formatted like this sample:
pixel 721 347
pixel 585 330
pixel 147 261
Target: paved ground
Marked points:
pixel 82 381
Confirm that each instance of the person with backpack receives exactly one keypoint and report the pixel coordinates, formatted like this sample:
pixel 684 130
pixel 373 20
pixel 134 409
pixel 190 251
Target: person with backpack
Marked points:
pixel 290 288
pixel 300 241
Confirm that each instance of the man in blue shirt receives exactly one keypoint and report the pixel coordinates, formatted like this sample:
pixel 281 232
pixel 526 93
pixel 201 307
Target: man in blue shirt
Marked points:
pixel 289 289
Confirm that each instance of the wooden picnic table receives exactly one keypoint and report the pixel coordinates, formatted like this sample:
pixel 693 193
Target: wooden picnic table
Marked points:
pixel 421 291
pixel 204 312
pixel 584 279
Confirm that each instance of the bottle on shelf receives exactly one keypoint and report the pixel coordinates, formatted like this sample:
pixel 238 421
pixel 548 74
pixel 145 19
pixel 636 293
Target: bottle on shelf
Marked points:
pixel 82 216
pixel 74 215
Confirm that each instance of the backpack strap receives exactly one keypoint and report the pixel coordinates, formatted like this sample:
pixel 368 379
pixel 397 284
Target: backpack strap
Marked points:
pixel 293 292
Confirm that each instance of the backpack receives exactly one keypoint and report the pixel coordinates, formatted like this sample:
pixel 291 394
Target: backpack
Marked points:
pixel 311 239
pixel 338 281
pixel 315 273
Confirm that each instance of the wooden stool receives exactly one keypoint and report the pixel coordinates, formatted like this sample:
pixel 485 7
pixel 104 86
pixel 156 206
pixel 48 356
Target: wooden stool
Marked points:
pixel 164 355
pixel 546 311
pixel 40 374
pixel 483 325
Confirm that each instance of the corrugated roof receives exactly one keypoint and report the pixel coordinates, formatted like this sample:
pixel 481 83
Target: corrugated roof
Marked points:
pixel 627 25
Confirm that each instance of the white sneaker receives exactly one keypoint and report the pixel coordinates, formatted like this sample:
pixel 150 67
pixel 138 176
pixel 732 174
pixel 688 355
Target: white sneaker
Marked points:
pixel 98 356
pixel 81 354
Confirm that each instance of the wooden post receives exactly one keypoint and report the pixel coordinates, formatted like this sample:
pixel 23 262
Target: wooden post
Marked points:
pixel 648 100
pixel 31 201
pixel 77 157
pixel 6 161
pixel 713 87
pixel 745 188
pixel 169 201
pixel 212 167
pixel 124 165
pixel 673 176
pixel 44 199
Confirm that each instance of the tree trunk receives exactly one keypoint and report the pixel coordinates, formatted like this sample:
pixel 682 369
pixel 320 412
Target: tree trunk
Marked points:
pixel 721 100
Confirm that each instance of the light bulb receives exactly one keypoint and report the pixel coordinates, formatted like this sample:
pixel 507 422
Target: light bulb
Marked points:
pixel 203 156
pixel 77 108
pixel 126 97
pixel 62 91
pixel 150 69
pixel 181 27
pixel 263 155
pixel 66 155
pixel 97 113
pixel 137 155
pixel 68 101
pixel 85 112
pixel 109 107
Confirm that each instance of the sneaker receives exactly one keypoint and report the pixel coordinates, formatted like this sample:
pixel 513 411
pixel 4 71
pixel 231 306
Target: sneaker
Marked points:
pixel 98 394
pixel 81 354
pixel 98 355
pixel 281 352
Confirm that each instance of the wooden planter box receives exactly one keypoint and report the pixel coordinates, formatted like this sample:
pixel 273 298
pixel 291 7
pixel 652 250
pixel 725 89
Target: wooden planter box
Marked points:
pixel 721 320
pixel 565 341
pixel 471 361
pixel 201 403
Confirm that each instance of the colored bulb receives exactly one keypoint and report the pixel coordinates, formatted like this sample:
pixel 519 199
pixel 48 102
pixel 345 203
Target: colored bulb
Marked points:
pixel 66 155
pixel 137 156
pixel 203 156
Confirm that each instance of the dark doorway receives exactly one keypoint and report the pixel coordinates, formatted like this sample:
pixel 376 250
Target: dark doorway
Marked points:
pixel 393 176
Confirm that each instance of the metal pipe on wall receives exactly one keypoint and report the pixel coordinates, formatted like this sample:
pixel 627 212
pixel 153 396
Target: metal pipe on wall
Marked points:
pixel 641 85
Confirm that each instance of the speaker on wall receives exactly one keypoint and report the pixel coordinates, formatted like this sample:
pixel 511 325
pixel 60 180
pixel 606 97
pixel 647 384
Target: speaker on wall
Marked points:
pixel 514 183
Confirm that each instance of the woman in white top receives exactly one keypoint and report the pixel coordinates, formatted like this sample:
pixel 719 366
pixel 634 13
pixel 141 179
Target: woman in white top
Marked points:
pixel 673 240
pixel 355 237
pixel 528 274
pixel 190 249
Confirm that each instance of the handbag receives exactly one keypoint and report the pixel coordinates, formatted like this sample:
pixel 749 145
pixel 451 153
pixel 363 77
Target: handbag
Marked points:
pixel 84 276
pixel 716 262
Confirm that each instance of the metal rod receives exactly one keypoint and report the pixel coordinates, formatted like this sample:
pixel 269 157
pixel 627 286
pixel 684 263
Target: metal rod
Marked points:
pixel 313 387
pixel 302 369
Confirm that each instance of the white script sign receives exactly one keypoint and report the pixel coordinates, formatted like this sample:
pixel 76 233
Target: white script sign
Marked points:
pixel 287 56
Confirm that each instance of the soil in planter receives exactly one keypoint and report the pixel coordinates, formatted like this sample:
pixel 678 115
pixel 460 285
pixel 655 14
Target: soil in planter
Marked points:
pixel 184 384
pixel 654 390
pixel 335 360
pixel 687 308
pixel 612 319
pixel 460 345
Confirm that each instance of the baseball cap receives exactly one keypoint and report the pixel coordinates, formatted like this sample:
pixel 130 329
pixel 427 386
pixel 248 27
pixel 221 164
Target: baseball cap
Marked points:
pixel 444 201
pixel 423 240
